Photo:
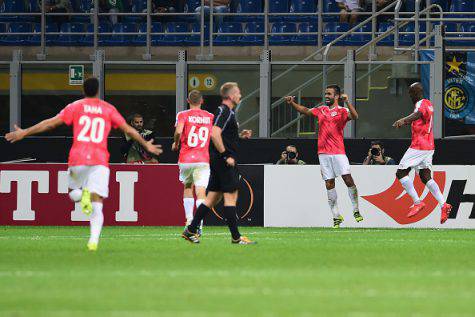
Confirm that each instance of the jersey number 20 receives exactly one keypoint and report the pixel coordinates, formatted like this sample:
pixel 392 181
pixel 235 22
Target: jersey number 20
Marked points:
pixel 195 138
pixel 92 130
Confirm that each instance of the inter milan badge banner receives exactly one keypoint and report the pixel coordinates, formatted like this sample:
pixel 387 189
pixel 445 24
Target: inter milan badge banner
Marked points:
pixel 459 92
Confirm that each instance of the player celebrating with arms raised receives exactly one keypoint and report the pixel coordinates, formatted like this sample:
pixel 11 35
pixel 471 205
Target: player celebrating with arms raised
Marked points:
pixel 420 153
pixel 331 150
pixel 192 136
pixel 92 120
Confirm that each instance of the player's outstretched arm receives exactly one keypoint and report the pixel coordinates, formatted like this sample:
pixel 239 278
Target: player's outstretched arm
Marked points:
pixel 45 125
pixel 353 113
pixel 147 145
pixel 407 120
pixel 177 136
pixel 217 140
pixel 301 109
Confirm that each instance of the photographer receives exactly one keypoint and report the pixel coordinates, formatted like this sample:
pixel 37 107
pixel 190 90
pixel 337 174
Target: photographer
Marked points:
pixel 376 155
pixel 132 151
pixel 290 157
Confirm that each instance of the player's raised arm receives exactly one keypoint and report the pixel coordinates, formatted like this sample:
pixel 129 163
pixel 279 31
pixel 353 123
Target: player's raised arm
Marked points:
pixel 45 125
pixel 147 145
pixel 301 109
pixel 407 120
pixel 353 114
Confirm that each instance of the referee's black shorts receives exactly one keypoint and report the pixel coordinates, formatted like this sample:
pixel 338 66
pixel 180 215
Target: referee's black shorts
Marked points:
pixel 223 178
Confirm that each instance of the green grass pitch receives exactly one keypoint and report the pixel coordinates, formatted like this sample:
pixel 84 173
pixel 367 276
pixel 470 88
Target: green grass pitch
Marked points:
pixel 46 271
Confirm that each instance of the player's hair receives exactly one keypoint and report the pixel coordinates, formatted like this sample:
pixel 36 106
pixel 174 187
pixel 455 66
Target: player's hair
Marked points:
pixel 91 87
pixel 226 89
pixel 335 88
pixel 195 96
pixel 416 92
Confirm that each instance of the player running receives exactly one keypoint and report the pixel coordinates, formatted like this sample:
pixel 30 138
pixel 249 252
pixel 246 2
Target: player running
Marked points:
pixel 88 172
pixel 192 136
pixel 420 153
pixel 332 119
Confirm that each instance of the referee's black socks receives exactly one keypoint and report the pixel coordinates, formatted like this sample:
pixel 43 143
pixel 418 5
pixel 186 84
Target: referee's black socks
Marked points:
pixel 230 214
pixel 200 214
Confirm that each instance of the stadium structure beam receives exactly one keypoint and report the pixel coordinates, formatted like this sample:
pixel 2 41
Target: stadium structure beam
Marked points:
pixel 181 81
pixel 98 70
pixel 350 89
pixel 265 82
pixel 15 89
pixel 437 82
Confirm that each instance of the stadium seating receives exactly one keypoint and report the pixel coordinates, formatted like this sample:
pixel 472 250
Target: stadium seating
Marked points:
pixel 302 6
pixel 13 6
pixel 18 27
pixel 389 40
pixel 461 6
pixel 67 39
pixel 248 6
pixel 357 39
pixel 83 6
pixel 253 27
pixel 409 39
pixel 174 40
pixel 278 6
pixel 305 39
pixel 335 27
pixel 282 27
pixel 330 7
pixel 465 27
pixel 103 27
pixel 49 38
pixel 138 6
pixel 228 40
pixel 120 38
pixel 3 29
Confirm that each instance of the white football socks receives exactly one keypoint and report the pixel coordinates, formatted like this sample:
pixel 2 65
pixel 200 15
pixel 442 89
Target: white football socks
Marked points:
pixel 435 191
pixel 189 204
pixel 96 222
pixel 332 202
pixel 353 193
pixel 408 185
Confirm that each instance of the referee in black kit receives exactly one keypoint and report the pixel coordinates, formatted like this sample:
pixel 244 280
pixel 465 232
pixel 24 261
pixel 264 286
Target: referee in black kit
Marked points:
pixel 224 178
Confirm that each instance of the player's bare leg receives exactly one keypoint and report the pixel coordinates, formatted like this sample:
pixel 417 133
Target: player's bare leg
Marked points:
pixel 200 192
pixel 333 202
pixel 426 177
pixel 408 184
pixel 353 193
pixel 211 200
pixel 96 221
pixel 188 202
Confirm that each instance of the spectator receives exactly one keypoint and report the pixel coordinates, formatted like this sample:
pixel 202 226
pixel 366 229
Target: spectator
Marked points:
pixel 219 6
pixel 350 9
pixel 290 156
pixel 111 6
pixel 376 155
pixel 133 151
pixel 164 6
pixel 57 6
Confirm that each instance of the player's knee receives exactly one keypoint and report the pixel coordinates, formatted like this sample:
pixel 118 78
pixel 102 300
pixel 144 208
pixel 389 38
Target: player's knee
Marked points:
pixel 330 184
pixel 401 173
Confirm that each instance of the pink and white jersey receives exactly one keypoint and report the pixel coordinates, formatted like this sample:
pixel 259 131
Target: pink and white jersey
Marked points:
pixel 196 135
pixel 331 122
pixel 422 128
pixel 92 120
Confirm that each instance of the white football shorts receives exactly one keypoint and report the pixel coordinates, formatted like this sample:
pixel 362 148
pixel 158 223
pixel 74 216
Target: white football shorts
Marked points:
pixel 194 173
pixel 95 178
pixel 417 159
pixel 333 165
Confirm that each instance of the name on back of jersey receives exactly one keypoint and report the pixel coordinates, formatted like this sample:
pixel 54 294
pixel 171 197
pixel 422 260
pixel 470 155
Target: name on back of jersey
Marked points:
pixel 199 120
pixel 92 109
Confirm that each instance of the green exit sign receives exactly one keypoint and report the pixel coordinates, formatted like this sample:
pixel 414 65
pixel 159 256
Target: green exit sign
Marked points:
pixel 76 74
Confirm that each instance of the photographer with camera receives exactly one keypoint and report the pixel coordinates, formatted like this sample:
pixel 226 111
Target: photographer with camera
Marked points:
pixel 290 157
pixel 376 155
pixel 133 152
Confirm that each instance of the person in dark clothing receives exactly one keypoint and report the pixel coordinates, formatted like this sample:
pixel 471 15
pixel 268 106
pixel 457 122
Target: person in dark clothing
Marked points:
pixel 224 178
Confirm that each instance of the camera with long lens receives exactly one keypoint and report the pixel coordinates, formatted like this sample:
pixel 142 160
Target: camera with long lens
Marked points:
pixel 375 151
pixel 290 155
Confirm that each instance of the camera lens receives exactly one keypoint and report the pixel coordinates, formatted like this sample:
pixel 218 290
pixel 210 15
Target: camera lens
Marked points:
pixel 291 155
pixel 375 151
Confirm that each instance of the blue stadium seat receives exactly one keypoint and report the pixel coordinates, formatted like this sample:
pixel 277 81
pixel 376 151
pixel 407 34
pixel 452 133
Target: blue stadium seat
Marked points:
pixel 155 39
pixel 282 27
pixel 278 6
pixel 120 38
pixel 3 29
pixel 253 27
pixel 103 27
pixel 302 6
pixel 18 27
pixel 409 39
pixel 330 6
pixel 249 6
pixel 356 39
pixel 335 27
pixel 137 6
pixel 195 39
pixel 191 5
pixel 443 3
pixel 83 6
pixel 13 6
pixel 71 39
pixel 305 39
pixel 49 39
pixel 228 40
pixel 465 27
pixel 389 40
pixel 461 6
pixel 174 40
pixel 33 6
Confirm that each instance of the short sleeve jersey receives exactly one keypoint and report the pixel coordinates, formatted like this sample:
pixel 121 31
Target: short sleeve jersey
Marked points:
pixel 92 120
pixel 197 125
pixel 422 128
pixel 331 123
pixel 225 118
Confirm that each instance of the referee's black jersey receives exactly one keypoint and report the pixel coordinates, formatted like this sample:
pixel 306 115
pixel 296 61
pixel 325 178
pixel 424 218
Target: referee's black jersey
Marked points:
pixel 225 118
